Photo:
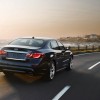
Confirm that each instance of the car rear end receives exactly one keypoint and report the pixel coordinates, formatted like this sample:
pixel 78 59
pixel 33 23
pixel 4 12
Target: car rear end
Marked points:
pixel 22 58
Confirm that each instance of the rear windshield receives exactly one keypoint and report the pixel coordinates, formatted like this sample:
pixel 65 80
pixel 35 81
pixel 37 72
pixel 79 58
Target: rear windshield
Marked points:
pixel 28 42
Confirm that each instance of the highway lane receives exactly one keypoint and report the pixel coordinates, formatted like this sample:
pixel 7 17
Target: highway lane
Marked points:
pixel 84 83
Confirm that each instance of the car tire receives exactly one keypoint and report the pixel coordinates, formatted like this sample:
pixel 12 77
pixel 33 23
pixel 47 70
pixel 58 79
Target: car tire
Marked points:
pixel 51 71
pixel 69 66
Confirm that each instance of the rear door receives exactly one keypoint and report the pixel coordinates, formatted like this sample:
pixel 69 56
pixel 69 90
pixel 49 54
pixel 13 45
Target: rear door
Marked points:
pixel 58 53
pixel 65 54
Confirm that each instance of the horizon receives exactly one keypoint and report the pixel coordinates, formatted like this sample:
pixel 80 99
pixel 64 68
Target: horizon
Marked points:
pixel 29 36
pixel 49 18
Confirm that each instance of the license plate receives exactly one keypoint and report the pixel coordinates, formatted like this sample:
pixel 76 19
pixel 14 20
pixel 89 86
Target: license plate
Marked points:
pixel 16 55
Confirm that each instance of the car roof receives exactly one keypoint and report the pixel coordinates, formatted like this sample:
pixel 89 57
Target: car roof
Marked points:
pixel 44 38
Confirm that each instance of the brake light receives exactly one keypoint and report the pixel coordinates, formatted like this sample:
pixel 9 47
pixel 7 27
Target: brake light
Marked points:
pixel 35 55
pixel 2 52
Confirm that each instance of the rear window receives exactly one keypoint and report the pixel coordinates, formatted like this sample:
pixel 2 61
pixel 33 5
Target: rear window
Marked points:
pixel 28 42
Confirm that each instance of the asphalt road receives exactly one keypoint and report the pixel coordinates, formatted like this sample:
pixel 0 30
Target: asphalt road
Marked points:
pixel 81 83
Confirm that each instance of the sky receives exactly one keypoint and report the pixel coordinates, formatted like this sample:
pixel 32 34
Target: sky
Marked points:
pixel 49 18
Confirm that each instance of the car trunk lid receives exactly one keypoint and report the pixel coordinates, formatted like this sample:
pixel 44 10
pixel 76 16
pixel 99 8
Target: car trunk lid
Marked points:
pixel 18 52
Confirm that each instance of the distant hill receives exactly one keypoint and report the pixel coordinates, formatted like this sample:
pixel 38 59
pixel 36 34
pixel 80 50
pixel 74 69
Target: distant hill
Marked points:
pixel 86 38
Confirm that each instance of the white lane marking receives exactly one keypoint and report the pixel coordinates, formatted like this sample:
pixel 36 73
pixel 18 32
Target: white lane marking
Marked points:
pixel 93 66
pixel 61 93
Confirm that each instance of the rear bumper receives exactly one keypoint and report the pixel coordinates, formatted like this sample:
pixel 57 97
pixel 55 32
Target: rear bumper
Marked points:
pixel 35 70
pixel 16 69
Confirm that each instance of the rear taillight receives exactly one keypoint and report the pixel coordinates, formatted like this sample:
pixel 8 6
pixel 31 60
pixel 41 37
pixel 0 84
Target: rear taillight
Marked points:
pixel 35 55
pixel 2 52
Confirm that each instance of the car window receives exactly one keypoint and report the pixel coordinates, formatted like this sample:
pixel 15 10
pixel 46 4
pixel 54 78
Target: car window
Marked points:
pixel 61 45
pixel 28 42
pixel 54 45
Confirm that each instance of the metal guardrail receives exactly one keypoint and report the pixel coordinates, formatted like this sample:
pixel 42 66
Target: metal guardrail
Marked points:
pixel 85 48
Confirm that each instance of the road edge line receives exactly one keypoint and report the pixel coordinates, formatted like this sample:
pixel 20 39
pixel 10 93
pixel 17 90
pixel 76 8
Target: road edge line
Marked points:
pixel 85 53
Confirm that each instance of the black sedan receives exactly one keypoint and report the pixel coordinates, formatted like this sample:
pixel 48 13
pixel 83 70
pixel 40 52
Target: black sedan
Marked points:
pixel 36 56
